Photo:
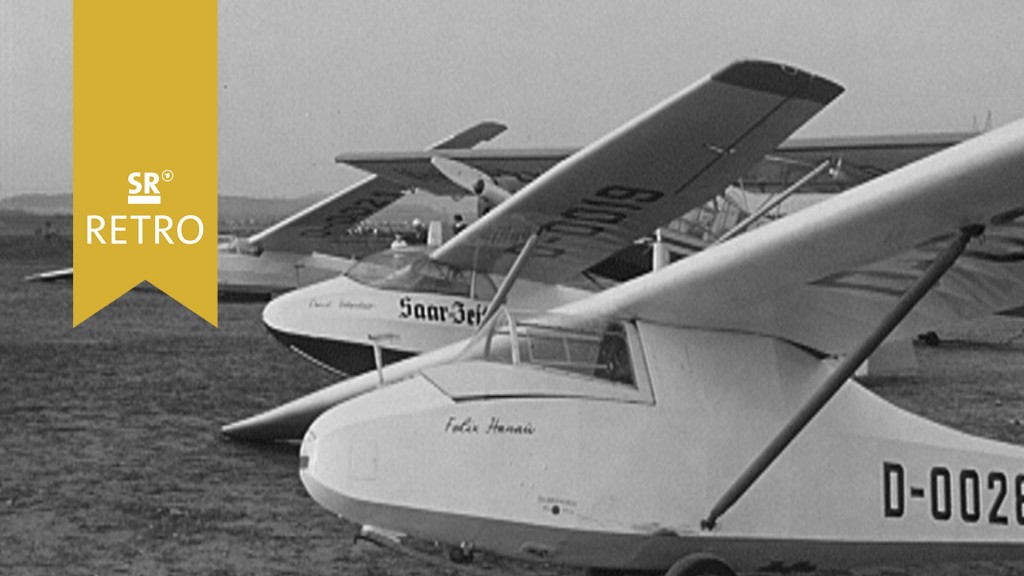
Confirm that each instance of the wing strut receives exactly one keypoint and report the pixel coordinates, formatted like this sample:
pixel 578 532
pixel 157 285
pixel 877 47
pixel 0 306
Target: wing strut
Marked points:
pixel 838 377
pixel 510 278
pixel 773 202
pixel 378 354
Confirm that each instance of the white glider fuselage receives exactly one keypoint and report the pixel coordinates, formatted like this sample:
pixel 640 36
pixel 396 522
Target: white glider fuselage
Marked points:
pixel 397 301
pixel 518 450
pixel 711 420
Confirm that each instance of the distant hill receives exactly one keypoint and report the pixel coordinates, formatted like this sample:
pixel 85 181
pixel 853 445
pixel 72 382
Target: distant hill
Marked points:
pixel 22 223
pixel 232 207
pixel 242 214
pixel 38 203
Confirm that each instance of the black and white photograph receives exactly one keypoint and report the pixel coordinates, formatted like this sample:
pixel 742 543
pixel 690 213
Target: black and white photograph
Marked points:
pixel 605 287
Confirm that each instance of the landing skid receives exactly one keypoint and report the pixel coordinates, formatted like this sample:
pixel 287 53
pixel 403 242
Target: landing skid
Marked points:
pixel 460 559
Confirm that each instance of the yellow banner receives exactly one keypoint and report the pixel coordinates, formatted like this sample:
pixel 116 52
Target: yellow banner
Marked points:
pixel 145 152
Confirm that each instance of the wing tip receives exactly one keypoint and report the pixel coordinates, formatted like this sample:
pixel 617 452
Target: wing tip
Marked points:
pixel 470 137
pixel 781 79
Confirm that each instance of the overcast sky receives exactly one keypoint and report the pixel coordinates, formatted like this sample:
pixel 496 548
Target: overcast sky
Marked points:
pixel 303 80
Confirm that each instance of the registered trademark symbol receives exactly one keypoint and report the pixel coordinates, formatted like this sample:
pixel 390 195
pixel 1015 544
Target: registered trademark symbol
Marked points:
pixel 167 175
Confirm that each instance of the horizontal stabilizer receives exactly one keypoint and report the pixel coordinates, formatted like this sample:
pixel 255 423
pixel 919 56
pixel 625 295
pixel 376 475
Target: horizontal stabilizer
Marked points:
pixel 471 136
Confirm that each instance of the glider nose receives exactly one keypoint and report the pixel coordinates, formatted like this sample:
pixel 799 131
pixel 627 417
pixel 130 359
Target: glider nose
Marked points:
pixel 321 472
pixel 286 317
pixel 338 457
pixel 316 474
pixel 307 451
pixel 346 451
pixel 330 323
pixel 308 322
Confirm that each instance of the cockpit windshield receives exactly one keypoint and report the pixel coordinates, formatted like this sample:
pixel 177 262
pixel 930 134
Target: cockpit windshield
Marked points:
pixel 597 348
pixel 412 270
pixel 376 267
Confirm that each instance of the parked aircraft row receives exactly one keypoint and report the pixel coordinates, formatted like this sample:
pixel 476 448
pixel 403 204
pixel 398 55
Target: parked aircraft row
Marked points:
pixel 668 161
pixel 402 302
pixel 513 390
pixel 286 249
pixel 396 304
pixel 701 418
pixel 314 244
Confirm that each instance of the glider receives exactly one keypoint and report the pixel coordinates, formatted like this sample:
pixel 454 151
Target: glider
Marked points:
pixel 393 305
pixel 701 419
pixel 670 159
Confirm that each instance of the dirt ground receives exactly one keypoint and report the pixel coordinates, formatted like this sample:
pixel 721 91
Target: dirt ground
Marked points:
pixel 111 461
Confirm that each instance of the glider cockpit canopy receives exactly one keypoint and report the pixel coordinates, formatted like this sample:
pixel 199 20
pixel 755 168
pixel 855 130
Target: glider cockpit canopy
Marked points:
pixel 411 269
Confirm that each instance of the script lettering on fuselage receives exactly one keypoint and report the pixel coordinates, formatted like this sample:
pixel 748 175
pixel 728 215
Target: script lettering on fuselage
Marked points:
pixel 340 303
pixel 494 427
pixel 457 313
pixel 966 495
pixel 461 426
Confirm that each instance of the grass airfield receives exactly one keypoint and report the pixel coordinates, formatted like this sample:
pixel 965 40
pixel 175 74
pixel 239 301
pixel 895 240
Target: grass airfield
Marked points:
pixel 111 461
